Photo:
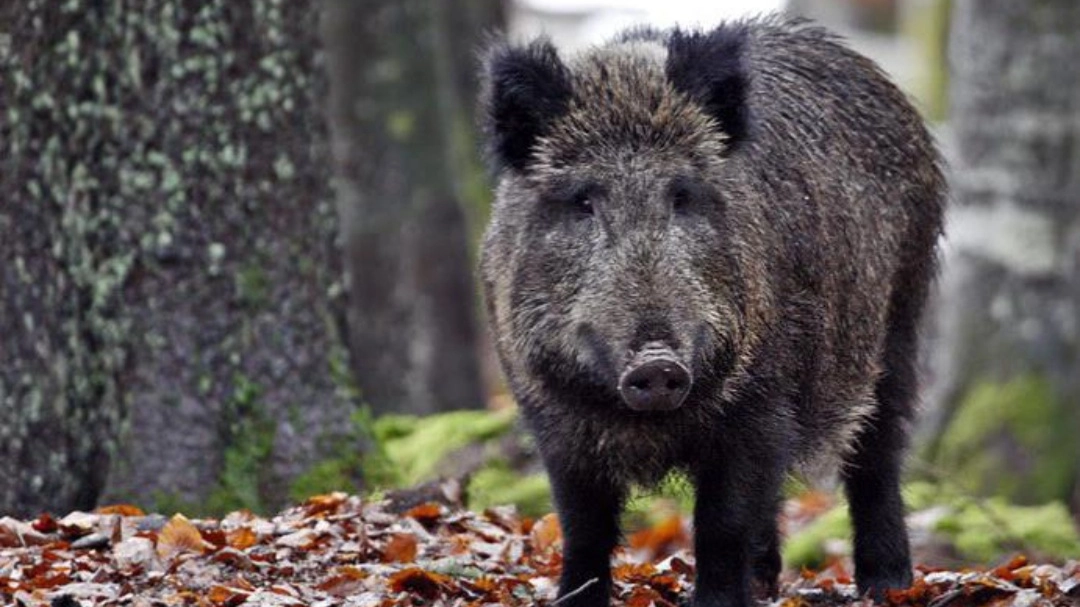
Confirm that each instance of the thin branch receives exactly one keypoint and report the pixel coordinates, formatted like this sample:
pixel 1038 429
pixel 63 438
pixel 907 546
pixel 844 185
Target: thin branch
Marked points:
pixel 575 592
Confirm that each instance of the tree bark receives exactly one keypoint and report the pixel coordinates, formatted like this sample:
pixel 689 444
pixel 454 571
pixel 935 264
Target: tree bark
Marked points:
pixel 168 259
pixel 401 120
pixel 1010 293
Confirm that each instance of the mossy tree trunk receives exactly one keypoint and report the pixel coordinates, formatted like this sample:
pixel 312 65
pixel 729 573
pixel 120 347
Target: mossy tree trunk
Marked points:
pixel 168 261
pixel 1009 369
pixel 407 182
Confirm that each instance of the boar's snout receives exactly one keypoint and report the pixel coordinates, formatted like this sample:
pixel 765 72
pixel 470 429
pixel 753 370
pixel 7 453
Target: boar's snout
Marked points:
pixel 654 380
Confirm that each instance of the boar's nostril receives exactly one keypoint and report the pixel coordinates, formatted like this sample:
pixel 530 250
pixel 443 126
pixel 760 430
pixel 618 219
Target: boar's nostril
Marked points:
pixel 657 383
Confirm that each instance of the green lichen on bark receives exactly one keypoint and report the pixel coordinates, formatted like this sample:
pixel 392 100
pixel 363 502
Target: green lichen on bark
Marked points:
pixel 65 263
pixel 248 433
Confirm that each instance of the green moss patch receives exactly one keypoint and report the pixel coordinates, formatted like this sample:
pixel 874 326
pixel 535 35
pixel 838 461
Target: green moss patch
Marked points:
pixel 416 446
pixel 649 506
pixel 1011 439
pixel 981 530
pixel 496 485
pixel 807 547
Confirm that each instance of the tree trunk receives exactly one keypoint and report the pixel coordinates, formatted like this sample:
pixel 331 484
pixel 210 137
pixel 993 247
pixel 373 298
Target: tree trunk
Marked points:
pixel 401 117
pixel 1008 371
pixel 168 255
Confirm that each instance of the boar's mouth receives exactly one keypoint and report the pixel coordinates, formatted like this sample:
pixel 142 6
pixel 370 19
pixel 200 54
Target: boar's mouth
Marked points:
pixel 655 379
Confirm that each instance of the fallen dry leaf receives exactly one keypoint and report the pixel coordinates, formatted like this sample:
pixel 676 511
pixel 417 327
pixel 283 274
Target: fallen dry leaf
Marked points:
pixel 121 509
pixel 426 513
pixel 134 552
pixel 227 596
pixel 44 523
pixel 400 548
pixel 302 539
pixel 345 581
pixel 17 533
pixel 417 581
pixel 321 504
pixel 662 539
pixel 242 538
pixel 78 524
pixel 179 536
pixel 546 533
pixel 643 596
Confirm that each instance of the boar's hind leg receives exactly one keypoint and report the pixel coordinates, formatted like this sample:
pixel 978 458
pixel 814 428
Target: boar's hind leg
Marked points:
pixel 872 472
pixel 872 476
pixel 588 511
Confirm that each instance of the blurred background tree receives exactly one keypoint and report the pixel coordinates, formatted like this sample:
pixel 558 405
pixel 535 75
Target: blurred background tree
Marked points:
pixel 1006 399
pixel 410 193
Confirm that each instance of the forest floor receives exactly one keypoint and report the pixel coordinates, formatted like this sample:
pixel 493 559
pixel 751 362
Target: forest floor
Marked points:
pixel 341 550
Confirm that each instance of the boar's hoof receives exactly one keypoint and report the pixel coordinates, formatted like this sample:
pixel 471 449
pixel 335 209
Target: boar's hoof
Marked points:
pixel 654 380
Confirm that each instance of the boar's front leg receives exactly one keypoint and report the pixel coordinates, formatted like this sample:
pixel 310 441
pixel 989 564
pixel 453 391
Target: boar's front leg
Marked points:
pixel 588 508
pixel 736 507
pixel 767 563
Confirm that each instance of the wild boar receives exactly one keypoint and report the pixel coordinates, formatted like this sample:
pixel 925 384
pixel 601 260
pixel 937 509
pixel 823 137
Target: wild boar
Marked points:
pixel 709 251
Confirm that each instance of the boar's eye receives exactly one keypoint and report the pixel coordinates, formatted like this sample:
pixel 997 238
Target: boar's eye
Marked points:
pixel 680 198
pixel 684 192
pixel 582 200
pixel 575 196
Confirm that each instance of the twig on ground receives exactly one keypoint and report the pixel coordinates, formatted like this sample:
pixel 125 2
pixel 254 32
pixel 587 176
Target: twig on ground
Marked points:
pixel 575 591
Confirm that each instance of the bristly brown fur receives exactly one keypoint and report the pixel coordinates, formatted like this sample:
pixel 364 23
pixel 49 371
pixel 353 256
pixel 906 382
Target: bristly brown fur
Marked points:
pixel 623 103
pixel 762 200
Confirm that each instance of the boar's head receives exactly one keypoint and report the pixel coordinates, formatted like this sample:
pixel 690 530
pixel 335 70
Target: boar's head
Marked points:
pixel 614 263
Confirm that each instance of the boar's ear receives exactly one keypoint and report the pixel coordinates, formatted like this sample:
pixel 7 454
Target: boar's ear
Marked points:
pixel 710 68
pixel 524 90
